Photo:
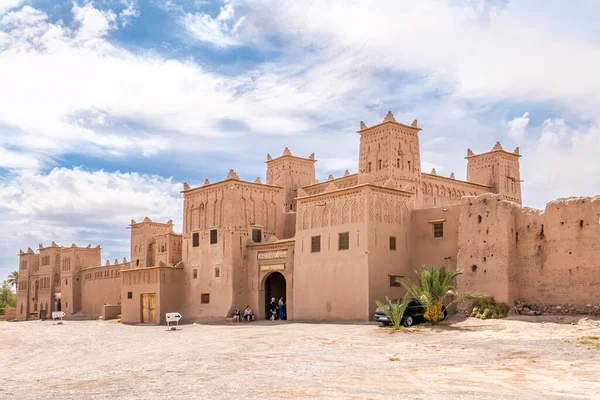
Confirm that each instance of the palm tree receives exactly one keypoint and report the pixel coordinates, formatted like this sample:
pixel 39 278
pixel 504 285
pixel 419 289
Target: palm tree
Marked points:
pixel 394 310
pixel 433 287
pixel 13 279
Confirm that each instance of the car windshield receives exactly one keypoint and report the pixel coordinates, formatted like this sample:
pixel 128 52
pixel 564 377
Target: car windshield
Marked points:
pixel 411 302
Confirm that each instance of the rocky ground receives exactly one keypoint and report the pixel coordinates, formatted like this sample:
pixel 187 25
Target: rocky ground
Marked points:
pixel 521 357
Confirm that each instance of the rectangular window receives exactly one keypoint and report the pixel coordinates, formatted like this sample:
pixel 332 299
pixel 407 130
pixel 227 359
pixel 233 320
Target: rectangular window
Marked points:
pixel 217 272
pixel 344 241
pixel 195 273
pixel 395 280
pixel 369 167
pixel 315 244
pixel 195 239
pixel 256 235
pixel 205 298
pixel 379 164
pixel 392 242
pixel 130 295
pixel 213 236
pixel 438 230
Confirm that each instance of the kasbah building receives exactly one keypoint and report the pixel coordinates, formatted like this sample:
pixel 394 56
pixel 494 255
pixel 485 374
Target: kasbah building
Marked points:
pixel 332 248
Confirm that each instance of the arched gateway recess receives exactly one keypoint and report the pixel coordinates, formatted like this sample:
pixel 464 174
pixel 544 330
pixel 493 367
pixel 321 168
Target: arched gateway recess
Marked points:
pixel 274 287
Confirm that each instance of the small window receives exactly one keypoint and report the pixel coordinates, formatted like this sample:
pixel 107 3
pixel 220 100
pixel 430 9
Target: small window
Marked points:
pixel 66 281
pixel 195 273
pixel 217 272
pixel 315 244
pixel 213 236
pixel 379 164
pixel 395 280
pixel 137 263
pixel 256 235
pixel 205 298
pixel 344 241
pixel 438 230
pixel 392 242
pixel 130 295
pixel 369 167
pixel 195 239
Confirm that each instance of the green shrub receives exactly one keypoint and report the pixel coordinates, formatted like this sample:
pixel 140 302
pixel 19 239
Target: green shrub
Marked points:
pixel 488 308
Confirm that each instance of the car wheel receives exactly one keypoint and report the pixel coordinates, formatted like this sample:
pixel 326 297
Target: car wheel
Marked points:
pixel 443 316
pixel 409 320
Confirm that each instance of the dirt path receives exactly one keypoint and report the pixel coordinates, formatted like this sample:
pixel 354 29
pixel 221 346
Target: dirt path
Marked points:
pixel 518 358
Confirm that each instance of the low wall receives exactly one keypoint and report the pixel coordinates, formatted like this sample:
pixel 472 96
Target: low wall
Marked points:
pixel 111 311
pixel 547 258
pixel 10 314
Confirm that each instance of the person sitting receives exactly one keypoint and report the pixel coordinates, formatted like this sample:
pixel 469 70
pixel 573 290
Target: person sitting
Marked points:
pixel 237 315
pixel 248 314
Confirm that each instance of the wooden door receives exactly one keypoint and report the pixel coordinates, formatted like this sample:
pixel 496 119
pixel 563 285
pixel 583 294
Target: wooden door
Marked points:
pixel 149 307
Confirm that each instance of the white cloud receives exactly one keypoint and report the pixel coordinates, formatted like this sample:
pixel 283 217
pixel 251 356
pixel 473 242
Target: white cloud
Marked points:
pixel 517 127
pixel 93 22
pixel 129 12
pixel 220 31
pixel 563 162
pixel 75 205
pixel 6 5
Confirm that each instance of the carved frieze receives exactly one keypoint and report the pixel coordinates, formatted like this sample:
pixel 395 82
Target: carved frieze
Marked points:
pixel 270 255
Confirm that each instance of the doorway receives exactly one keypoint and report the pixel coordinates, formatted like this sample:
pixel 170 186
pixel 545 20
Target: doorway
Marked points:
pixel 148 307
pixel 274 287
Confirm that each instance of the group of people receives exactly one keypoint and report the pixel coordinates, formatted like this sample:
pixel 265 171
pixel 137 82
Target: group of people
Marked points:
pixel 276 310
pixel 248 315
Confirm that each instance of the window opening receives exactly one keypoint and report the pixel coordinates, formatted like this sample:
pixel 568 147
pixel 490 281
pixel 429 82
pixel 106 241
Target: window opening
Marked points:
pixel 438 230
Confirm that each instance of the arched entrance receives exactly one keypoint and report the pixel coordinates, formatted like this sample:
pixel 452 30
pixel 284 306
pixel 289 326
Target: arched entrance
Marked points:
pixel 274 287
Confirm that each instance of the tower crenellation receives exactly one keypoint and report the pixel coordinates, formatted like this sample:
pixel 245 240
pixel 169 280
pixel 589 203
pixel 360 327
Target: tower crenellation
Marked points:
pixel 390 150
pixel 290 172
pixel 498 169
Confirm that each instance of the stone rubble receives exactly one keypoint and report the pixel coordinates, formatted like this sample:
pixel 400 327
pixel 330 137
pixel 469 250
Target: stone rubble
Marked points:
pixel 523 308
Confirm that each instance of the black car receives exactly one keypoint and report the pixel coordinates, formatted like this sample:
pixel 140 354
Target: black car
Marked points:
pixel 413 314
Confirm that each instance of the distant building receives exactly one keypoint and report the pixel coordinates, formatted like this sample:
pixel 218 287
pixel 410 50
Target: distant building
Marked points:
pixel 332 248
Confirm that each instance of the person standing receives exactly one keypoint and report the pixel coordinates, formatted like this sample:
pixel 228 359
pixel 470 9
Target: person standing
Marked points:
pixel 280 308
pixel 273 309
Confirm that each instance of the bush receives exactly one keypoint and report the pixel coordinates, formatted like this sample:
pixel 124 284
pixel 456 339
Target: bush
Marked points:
pixel 488 308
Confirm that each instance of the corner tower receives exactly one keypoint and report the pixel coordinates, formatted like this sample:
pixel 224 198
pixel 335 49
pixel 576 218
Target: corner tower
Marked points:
pixel 290 172
pixel 498 169
pixel 390 150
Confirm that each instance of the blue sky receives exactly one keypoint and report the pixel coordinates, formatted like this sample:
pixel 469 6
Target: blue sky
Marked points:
pixel 106 107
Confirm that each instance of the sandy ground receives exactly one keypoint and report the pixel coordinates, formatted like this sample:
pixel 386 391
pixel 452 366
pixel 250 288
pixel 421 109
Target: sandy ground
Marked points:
pixel 514 358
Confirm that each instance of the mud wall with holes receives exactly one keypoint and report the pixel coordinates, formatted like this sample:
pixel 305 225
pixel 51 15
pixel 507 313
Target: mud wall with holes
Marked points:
pixel 541 257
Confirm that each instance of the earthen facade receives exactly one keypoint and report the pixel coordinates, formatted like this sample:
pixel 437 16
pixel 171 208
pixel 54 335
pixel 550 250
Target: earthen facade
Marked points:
pixel 332 248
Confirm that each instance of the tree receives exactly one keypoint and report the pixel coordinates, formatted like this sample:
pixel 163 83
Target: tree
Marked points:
pixel 8 298
pixel 434 286
pixel 394 310
pixel 13 279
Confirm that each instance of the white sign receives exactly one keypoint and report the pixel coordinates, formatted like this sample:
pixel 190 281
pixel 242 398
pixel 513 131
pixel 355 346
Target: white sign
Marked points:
pixel 56 315
pixel 277 267
pixel 172 316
